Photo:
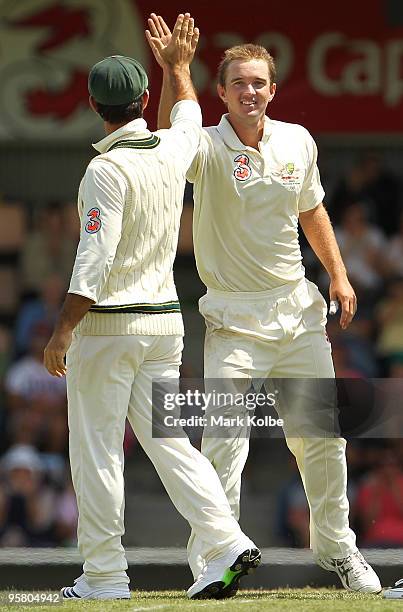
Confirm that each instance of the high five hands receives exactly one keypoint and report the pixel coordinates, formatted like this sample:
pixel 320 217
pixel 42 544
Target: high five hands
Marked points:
pixel 176 48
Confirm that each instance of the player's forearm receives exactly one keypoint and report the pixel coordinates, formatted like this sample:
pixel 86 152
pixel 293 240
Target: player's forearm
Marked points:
pixel 320 235
pixel 176 86
pixel 75 307
pixel 180 84
pixel 167 101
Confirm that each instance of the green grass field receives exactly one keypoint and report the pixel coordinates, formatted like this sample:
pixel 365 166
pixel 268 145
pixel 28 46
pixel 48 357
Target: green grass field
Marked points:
pixel 301 600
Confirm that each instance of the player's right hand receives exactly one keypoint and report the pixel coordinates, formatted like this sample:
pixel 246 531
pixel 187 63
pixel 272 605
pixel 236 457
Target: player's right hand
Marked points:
pixel 342 292
pixel 176 48
pixel 55 352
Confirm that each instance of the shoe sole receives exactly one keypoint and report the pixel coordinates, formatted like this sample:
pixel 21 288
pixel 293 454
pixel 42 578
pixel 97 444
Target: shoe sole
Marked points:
pixel 244 564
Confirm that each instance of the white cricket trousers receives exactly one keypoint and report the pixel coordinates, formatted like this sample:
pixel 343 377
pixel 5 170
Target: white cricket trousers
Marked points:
pixel 110 378
pixel 276 334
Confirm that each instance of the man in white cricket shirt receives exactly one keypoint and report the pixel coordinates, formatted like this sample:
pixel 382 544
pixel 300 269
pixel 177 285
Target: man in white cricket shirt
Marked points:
pixel 254 179
pixel 121 327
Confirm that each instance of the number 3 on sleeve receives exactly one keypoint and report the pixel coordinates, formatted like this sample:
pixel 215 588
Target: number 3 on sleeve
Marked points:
pixel 94 224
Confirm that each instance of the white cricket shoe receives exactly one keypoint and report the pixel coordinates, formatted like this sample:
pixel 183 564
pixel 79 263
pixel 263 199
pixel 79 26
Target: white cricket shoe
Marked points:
pixel 354 572
pixel 82 590
pixel 395 592
pixel 219 578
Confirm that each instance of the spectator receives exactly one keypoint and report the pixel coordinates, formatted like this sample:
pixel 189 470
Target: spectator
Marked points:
pixel 369 181
pixel 363 247
pixel 50 249
pixel 395 250
pixel 379 503
pixel 5 352
pixel 342 361
pixel 66 516
pixel 358 345
pixel 27 505
pixel 35 400
pixel 28 379
pixel 293 511
pixel 42 309
pixel 389 315
pixel 71 221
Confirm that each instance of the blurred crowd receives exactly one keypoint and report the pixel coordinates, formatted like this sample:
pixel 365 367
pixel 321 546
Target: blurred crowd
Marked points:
pixel 375 492
pixel 37 249
pixel 37 502
pixel 366 209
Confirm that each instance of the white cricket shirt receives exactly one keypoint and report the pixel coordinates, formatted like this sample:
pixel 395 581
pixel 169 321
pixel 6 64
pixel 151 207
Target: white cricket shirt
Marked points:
pixel 247 204
pixel 130 203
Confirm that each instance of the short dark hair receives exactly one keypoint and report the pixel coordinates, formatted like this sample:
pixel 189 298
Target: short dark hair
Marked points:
pixel 121 113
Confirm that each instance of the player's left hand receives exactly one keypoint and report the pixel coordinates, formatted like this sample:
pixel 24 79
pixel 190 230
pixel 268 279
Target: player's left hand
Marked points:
pixel 55 352
pixel 341 290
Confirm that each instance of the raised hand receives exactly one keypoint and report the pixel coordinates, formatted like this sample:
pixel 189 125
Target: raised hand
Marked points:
pixel 158 30
pixel 177 48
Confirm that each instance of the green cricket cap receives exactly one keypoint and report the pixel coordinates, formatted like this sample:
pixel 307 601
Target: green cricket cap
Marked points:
pixel 117 80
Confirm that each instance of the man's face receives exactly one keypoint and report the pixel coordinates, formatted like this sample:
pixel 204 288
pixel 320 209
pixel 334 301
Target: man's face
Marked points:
pixel 247 90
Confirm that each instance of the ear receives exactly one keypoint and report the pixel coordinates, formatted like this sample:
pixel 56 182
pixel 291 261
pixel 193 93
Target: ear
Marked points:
pixel 93 104
pixel 273 88
pixel 221 93
pixel 145 98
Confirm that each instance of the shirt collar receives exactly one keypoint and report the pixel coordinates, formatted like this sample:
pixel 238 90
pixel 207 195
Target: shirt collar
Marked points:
pixel 135 129
pixel 230 138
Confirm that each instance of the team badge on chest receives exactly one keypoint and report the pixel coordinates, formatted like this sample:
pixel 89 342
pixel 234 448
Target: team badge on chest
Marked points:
pixel 290 176
pixel 242 170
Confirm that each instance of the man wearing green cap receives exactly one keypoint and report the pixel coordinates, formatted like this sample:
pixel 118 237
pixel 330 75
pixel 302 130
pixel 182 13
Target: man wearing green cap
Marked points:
pixel 122 328
pixel 117 80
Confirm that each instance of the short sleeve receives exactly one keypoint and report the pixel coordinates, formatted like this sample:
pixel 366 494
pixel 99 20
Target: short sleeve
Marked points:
pixel 196 167
pixel 312 192
pixel 186 126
